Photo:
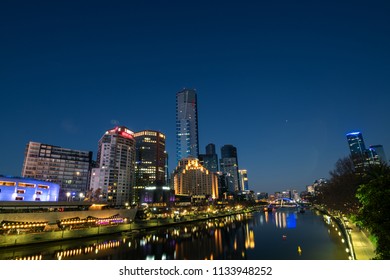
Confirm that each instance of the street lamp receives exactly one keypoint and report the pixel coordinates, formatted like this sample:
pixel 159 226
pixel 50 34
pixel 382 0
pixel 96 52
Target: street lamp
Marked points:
pixel 67 196
pixel 81 195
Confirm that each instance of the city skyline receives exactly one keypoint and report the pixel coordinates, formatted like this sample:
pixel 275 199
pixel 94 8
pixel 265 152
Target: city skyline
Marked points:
pixel 283 82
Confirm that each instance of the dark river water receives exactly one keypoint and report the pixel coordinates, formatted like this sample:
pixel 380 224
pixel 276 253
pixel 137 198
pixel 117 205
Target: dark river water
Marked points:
pixel 281 235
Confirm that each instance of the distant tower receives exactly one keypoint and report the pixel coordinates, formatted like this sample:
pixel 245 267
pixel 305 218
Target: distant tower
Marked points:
pixel 244 183
pixel 377 154
pixel 358 150
pixel 187 143
pixel 151 160
pixel 114 178
pixel 229 166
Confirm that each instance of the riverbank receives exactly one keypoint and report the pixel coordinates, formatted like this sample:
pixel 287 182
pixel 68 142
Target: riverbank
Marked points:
pixel 360 245
pixel 66 234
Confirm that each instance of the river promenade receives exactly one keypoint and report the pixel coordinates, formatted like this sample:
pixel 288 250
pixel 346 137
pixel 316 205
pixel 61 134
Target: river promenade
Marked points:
pixel 360 243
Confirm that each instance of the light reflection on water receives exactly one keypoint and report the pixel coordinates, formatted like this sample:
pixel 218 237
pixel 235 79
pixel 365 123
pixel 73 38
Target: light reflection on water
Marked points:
pixel 284 235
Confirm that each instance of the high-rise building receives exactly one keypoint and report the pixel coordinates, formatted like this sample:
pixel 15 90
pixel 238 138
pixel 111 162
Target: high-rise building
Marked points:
pixel 187 142
pixel 229 167
pixel 114 179
pixel 151 161
pixel 192 179
pixel 377 154
pixel 358 150
pixel 68 168
pixel 210 159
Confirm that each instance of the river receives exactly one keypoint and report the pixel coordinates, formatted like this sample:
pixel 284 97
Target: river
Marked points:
pixel 281 235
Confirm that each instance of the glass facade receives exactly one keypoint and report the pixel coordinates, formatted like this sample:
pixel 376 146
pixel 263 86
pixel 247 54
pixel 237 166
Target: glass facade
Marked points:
pixel 151 161
pixel 70 169
pixel 187 143
pixel 358 150
pixel 229 167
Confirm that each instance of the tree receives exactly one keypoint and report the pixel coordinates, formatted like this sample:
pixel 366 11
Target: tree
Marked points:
pixel 340 191
pixel 374 213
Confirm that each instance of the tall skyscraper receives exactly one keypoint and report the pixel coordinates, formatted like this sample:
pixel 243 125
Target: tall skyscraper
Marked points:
pixel 229 167
pixel 187 142
pixel 210 159
pixel 68 168
pixel 114 178
pixel 358 150
pixel 151 161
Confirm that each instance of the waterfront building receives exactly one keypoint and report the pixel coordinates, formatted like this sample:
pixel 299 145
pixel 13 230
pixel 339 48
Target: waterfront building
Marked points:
pixel 187 142
pixel 27 189
pixel 191 178
pixel 229 167
pixel 210 159
pixel 358 150
pixel 68 168
pixel 114 179
pixel 243 177
pixel 151 161
pixel 157 197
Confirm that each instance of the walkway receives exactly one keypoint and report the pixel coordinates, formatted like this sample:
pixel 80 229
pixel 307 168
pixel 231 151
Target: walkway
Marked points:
pixel 362 245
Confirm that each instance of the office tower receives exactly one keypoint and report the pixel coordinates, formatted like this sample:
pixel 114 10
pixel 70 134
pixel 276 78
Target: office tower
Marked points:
pixel 377 154
pixel 210 159
pixel 70 169
pixel 191 178
pixel 243 176
pixel 187 143
pixel 358 150
pixel 151 161
pixel 229 167
pixel 113 180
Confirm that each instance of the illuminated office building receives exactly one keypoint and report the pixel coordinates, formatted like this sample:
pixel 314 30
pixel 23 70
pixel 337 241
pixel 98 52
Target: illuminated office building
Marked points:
pixel 243 177
pixel 187 143
pixel 113 180
pixel 151 161
pixel 70 169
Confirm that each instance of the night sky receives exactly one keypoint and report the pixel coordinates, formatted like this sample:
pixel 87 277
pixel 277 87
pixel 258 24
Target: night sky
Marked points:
pixel 281 80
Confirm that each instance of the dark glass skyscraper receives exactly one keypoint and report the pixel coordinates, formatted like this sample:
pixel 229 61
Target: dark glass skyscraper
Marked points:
pixel 187 142
pixel 377 154
pixel 151 161
pixel 229 167
pixel 210 159
pixel 358 150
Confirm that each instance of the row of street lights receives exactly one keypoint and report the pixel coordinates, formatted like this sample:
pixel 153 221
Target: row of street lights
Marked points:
pixel 71 196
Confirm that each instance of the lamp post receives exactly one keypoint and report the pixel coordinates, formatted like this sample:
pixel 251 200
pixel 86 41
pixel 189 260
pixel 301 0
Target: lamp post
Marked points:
pixel 67 196
pixel 81 195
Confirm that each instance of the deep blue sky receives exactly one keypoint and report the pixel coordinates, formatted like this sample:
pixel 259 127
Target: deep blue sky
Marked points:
pixel 282 80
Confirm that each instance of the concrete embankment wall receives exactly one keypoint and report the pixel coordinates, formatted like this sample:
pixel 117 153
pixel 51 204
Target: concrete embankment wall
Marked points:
pixel 52 217
pixel 50 236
